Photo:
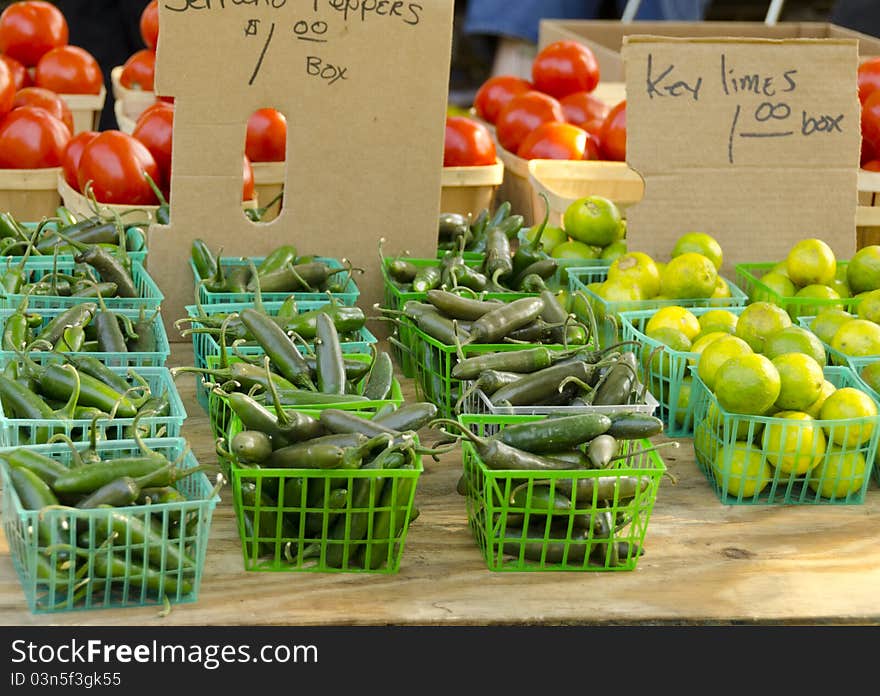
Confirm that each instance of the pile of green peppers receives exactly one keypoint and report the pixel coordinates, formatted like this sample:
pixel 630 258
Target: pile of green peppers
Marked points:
pixel 82 551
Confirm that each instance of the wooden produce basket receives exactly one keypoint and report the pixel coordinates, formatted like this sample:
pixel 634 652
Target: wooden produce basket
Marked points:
pixel 564 181
pixel 86 109
pixel 868 212
pixel 268 183
pixel 133 101
pixel 124 122
pixel 516 187
pixel 468 190
pixel 30 194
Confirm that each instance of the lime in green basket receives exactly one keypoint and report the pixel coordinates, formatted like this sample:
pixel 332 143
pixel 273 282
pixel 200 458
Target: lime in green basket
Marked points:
pixel 156 556
pixel 566 520
pixel 796 459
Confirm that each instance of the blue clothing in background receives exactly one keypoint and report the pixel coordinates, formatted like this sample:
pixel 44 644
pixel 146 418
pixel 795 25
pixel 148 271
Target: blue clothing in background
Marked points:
pixel 520 18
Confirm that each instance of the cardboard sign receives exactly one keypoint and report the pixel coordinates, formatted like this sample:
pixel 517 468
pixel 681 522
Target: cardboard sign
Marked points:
pixel 755 142
pixel 363 84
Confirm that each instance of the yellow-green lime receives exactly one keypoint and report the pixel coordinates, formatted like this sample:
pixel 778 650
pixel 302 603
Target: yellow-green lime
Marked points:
pixel 573 249
pixel 826 323
pixel 840 473
pixel 815 408
pixel 640 268
pixel 722 289
pixel 747 429
pixel 772 287
pixel 551 236
pixel 677 317
pixel 613 250
pixel 856 412
pixel 825 294
pixel 863 269
pixel 760 320
pixel 747 384
pixel 811 262
pixel 796 444
pixel 840 287
pixel 801 381
pixel 716 318
pixel 741 470
pixel 795 339
pixel 869 306
pixel 780 267
pixel 857 338
pixel 682 402
pixel 870 374
pixel 672 337
pixel 716 353
pixel 700 243
pixel 688 276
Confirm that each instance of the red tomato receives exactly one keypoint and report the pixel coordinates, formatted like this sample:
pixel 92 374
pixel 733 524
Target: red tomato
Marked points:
pixel 69 70
pixel 71 155
pixel 247 189
pixel 20 75
pixel 154 129
pixel 522 114
pixel 139 70
pixel 872 165
pixel 612 136
pixel 582 107
pixel 45 99
pixel 115 163
pixel 555 140
pixel 31 138
pixel 266 139
pixel 563 67
pixel 150 24
pixel 495 92
pixel 468 143
pixel 868 77
pixel 7 89
pixel 871 127
pixel 30 29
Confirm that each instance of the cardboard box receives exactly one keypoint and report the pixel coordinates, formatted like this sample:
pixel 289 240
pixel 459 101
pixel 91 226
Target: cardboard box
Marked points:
pixel 366 103
pixel 605 37
pixel 30 194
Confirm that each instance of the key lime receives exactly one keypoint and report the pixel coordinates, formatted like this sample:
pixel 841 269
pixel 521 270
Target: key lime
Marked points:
pixel 677 317
pixel 699 243
pixel 863 270
pixel 857 338
pixel 760 320
pixel 801 381
pixel 826 323
pixel 856 412
pixel 741 470
pixel 795 339
pixel 640 268
pixel 840 473
pixel 796 444
pixel 688 276
pixel 747 384
pixel 716 353
pixel 811 262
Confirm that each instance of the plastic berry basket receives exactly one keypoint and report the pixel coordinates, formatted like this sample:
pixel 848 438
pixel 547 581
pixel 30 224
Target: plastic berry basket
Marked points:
pixel 288 522
pixel 220 415
pixel 667 373
pixel 434 362
pixel 154 358
pixel 206 345
pixel 147 574
pixel 135 237
pixel 349 296
pixel 836 357
pixel 27 431
pixel 149 295
pixel 608 313
pixel 749 460
pixel 602 528
pixel 748 277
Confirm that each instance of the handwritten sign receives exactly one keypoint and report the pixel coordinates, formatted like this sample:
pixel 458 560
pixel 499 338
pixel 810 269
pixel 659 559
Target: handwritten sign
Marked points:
pixel 363 84
pixel 753 141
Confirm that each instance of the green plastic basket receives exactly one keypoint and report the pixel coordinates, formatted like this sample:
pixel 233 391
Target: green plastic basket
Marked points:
pixel 836 357
pixel 667 375
pixel 185 527
pixel 220 414
pixel 149 295
pixel 434 362
pixel 348 297
pixel 748 277
pixel 560 281
pixel 835 475
pixel 23 431
pixel 608 313
pixel 154 358
pixel 136 244
pixel 510 515
pixel 277 521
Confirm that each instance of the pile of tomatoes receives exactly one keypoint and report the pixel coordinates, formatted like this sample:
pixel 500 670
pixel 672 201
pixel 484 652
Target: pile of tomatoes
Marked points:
pixel 37 68
pixel 555 114
pixel 869 96
pixel 139 70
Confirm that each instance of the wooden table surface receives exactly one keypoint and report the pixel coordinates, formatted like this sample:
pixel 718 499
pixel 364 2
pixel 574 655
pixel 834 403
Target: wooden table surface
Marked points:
pixel 704 563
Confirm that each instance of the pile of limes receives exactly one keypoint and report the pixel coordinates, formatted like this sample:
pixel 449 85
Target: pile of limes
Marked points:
pixel 592 228
pixel 853 335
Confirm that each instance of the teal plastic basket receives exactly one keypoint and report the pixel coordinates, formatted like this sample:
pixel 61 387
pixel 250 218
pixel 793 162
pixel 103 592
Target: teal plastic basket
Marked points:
pixel 516 529
pixel 149 295
pixel 155 358
pixel 348 297
pixel 26 431
pixel 836 357
pixel 220 414
pixel 754 460
pixel 136 244
pixel 206 345
pixel 608 313
pixel 146 575
pixel 667 374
